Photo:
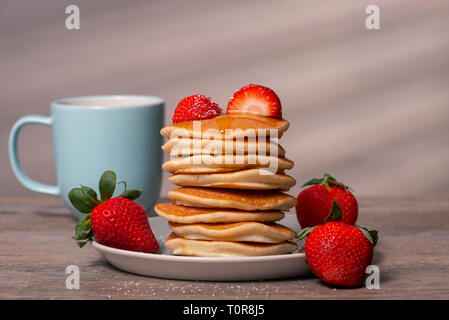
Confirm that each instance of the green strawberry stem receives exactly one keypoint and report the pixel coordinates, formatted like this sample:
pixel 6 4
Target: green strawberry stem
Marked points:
pixel 85 199
pixel 336 213
pixel 328 181
pixel 371 235
pixel 130 194
pixel 304 232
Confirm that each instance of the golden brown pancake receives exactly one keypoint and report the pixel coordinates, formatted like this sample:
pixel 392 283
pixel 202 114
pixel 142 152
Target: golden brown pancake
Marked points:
pixel 181 214
pixel 229 249
pixel 224 163
pixel 231 198
pixel 241 124
pixel 238 231
pixel 187 147
pixel 243 179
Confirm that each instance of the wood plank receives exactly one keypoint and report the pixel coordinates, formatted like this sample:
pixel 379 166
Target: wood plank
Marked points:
pixel 412 254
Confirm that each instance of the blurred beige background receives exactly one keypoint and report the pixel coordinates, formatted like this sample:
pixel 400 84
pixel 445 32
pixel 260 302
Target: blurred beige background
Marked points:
pixel 370 107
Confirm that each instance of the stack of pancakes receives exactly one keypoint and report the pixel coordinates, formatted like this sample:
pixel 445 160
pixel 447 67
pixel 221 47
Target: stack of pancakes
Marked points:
pixel 228 203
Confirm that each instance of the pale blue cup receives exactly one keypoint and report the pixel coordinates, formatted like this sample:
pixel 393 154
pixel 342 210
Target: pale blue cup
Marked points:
pixel 97 133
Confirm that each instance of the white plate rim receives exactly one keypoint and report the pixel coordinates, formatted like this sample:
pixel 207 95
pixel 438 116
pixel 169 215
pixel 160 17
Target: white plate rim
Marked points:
pixel 175 258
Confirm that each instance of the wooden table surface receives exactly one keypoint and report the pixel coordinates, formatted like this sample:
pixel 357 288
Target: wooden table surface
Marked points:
pixel 36 247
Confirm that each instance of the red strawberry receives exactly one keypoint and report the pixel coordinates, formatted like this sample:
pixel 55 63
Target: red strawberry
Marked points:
pixel 196 107
pixel 118 222
pixel 256 99
pixel 314 203
pixel 123 224
pixel 339 253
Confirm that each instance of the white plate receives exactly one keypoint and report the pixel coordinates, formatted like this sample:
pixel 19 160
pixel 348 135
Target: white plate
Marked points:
pixel 166 265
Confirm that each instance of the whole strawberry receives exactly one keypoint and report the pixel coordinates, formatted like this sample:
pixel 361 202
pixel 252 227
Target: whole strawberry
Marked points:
pixel 315 202
pixel 114 222
pixel 196 107
pixel 339 253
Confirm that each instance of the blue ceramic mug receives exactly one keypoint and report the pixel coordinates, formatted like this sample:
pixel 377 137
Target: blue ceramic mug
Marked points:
pixel 97 133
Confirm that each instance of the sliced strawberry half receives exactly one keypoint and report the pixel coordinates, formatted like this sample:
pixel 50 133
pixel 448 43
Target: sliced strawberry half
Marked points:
pixel 256 99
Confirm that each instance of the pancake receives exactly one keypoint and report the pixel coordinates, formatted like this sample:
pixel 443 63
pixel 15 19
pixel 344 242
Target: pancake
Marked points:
pixel 238 231
pixel 225 163
pixel 229 249
pixel 181 214
pixel 248 200
pixel 243 179
pixel 232 126
pixel 187 147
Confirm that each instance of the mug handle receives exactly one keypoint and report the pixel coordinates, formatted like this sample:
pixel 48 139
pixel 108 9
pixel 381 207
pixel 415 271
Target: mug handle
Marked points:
pixel 13 158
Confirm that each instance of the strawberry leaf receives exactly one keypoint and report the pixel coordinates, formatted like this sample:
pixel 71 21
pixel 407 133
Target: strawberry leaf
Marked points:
pixel 90 196
pixel 131 194
pixel 107 185
pixel 375 235
pixel 82 243
pixel 82 227
pixel 371 235
pixel 304 232
pixel 78 200
pixel 83 231
pixel 336 213
pixel 327 181
pixel 312 182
